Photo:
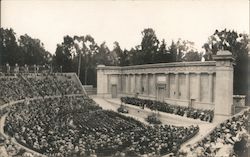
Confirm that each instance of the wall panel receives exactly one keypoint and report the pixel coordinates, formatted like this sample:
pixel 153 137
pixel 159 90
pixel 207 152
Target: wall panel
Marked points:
pixel 204 88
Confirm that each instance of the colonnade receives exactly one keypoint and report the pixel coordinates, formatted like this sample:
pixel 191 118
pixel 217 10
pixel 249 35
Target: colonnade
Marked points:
pixel 131 83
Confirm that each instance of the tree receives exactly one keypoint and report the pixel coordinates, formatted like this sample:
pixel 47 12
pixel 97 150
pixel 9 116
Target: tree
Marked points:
pixel 32 51
pixel 136 56
pixel 85 48
pixel 182 48
pixel 173 51
pixel 149 46
pixel 103 55
pixel 192 56
pixel 237 44
pixel 63 56
pixel 117 54
pixel 9 51
pixel 162 55
pixel 125 58
pixel 26 50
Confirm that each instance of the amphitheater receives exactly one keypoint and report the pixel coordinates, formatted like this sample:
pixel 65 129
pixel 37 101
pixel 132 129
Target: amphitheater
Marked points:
pixel 51 114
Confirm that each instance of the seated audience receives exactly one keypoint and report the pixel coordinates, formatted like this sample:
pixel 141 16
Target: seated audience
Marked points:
pixel 204 115
pixel 76 126
pixel 21 87
pixel 228 139
pixel 73 125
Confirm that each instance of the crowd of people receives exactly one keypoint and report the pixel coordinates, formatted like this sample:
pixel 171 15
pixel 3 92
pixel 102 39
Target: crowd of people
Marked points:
pixel 8 148
pixel 76 126
pixel 19 87
pixel 229 139
pixel 204 115
pixel 15 88
pixel 53 85
pixel 8 70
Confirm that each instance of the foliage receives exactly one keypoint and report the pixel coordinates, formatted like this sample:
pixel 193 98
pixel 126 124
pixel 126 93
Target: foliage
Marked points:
pixel 162 55
pixel 192 56
pixel 118 57
pixel 124 58
pixel 149 45
pixel 103 55
pixel 153 119
pixel 33 51
pixel 9 49
pixel 237 44
pixel 24 50
pixel 63 56
pixel 122 109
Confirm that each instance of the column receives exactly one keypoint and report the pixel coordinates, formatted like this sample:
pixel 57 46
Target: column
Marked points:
pixel 223 85
pixel 210 86
pixel 101 81
pixel 135 86
pixel 187 86
pixel 167 85
pixel 129 83
pixel 176 85
pixel 140 84
pixel 126 82
pixel 123 83
pixel 146 85
pixel 108 83
pixel 198 87
pixel 119 84
pixel 154 85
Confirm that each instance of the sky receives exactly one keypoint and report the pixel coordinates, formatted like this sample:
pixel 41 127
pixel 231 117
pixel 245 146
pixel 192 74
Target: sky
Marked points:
pixel 124 20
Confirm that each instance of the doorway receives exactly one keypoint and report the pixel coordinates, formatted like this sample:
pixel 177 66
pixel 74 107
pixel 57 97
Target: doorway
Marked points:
pixel 161 90
pixel 114 91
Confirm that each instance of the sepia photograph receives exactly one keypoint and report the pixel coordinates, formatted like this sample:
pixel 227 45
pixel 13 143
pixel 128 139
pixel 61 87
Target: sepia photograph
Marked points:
pixel 124 78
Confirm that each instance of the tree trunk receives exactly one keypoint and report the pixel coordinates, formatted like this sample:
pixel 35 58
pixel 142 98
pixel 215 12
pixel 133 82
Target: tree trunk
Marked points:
pixel 79 66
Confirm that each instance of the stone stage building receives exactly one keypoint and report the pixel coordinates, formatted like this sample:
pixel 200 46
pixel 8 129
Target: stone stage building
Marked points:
pixel 206 85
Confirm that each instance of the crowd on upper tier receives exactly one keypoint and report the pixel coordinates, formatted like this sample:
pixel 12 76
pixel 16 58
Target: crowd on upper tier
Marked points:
pixel 16 69
pixel 229 139
pixel 204 115
pixel 20 86
pixel 76 126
